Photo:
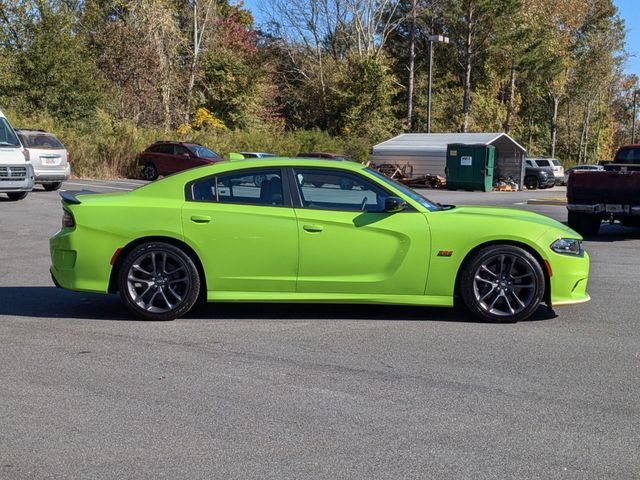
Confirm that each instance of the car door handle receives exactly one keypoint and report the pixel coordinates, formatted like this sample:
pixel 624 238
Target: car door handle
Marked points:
pixel 200 218
pixel 313 228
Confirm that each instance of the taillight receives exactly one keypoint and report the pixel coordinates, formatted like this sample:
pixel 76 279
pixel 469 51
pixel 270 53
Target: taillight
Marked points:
pixel 67 219
pixel 68 157
pixel 27 155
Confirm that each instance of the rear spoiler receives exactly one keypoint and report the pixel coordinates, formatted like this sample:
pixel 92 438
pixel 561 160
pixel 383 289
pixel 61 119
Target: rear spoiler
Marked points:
pixel 71 196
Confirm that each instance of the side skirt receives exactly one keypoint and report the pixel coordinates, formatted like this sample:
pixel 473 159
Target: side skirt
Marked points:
pixel 303 297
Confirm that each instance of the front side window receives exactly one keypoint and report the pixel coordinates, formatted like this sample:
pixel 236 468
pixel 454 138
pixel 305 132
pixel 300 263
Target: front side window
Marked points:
pixel 328 189
pixel 8 137
pixel 204 152
pixel 255 187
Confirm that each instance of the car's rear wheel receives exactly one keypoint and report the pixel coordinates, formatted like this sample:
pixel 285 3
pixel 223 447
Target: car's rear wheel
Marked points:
pixel 150 171
pixel 13 196
pixel 50 187
pixel 158 281
pixel 502 283
pixel 531 182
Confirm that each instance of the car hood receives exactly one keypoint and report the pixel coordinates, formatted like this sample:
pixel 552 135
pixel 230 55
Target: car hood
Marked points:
pixel 11 156
pixel 513 214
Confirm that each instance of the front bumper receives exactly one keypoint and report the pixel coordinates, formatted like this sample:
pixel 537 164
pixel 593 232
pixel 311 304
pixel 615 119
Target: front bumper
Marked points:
pixel 569 277
pixel 11 183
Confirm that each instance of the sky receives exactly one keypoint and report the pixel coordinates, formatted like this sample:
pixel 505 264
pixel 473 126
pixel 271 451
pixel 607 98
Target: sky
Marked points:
pixel 629 11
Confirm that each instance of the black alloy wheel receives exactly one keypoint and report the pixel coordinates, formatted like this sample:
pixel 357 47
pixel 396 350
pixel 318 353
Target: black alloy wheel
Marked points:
pixel 502 283
pixel 158 281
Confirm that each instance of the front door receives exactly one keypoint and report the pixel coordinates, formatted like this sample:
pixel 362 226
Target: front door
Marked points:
pixel 348 244
pixel 244 233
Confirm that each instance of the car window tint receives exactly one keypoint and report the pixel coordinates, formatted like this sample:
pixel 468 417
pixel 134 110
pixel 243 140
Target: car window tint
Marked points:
pixel 629 155
pixel 256 187
pixel 179 150
pixel 164 148
pixel 44 142
pixel 556 163
pixel 338 190
pixel 204 152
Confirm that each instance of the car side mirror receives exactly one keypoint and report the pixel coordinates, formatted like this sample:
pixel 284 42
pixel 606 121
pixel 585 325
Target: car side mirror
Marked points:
pixel 394 204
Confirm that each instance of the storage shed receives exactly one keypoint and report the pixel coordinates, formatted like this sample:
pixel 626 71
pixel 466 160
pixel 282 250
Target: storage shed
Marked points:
pixel 427 152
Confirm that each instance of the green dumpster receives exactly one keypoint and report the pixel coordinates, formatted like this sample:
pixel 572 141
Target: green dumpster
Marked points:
pixel 470 167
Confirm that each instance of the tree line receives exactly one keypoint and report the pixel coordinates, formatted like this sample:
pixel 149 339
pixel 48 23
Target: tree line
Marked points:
pixel 548 72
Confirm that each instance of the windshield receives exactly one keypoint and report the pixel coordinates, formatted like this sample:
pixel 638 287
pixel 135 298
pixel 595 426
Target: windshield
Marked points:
pixel 7 135
pixel 204 152
pixel 413 195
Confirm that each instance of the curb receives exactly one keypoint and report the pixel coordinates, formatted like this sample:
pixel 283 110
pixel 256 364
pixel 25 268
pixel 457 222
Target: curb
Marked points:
pixel 547 201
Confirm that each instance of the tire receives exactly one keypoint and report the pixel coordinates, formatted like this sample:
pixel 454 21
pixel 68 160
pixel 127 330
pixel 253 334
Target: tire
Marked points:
pixel 155 274
pixel 531 182
pixel 15 196
pixel 50 187
pixel 502 284
pixel 584 223
pixel 150 171
pixel 258 180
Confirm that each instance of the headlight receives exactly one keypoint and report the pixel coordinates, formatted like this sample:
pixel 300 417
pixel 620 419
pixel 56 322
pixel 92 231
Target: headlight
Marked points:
pixel 570 246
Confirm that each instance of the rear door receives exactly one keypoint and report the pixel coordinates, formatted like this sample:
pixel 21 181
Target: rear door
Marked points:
pixel 348 244
pixel 246 235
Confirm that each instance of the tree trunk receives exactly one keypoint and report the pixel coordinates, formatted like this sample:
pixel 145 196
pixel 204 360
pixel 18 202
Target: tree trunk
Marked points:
pixel 412 58
pixel 511 99
pixel 586 133
pixel 466 98
pixel 554 125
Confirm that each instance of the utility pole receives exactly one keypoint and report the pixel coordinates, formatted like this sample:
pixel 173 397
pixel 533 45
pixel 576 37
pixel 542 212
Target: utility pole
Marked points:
pixel 432 38
pixel 633 122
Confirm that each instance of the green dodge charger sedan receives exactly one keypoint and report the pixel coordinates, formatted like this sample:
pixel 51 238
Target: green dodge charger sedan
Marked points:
pixel 296 230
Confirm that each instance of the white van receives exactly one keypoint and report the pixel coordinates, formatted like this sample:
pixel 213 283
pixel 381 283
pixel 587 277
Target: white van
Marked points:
pixel 16 173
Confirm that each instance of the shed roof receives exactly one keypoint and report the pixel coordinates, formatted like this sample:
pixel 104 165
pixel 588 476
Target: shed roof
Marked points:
pixel 437 141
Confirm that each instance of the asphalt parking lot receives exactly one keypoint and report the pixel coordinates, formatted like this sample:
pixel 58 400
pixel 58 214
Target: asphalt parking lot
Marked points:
pixel 307 391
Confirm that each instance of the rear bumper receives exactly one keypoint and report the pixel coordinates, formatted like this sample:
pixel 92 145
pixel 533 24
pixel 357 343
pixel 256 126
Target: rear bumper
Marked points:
pixel 603 208
pixel 46 175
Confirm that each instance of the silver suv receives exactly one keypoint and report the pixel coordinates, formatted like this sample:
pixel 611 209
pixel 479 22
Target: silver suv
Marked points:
pixel 48 156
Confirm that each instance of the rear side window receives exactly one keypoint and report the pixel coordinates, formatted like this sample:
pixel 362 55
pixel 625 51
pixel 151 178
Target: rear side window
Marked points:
pixel 628 155
pixel 256 187
pixel 162 148
pixel 41 141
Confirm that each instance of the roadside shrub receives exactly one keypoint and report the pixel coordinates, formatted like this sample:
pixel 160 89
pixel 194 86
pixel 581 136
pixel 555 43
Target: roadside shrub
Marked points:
pixel 107 148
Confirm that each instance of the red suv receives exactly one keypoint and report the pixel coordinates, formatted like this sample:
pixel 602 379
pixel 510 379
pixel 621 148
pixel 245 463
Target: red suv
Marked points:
pixel 164 158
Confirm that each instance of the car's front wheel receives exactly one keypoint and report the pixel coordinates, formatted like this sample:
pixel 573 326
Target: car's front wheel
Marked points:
pixel 13 196
pixel 502 283
pixel 531 182
pixel 150 171
pixel 158 281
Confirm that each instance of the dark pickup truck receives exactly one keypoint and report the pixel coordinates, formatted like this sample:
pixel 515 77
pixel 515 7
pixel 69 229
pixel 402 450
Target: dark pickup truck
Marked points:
pixel 610 194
